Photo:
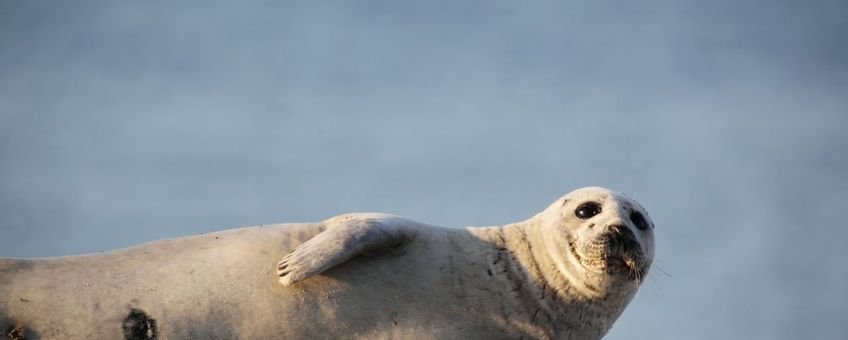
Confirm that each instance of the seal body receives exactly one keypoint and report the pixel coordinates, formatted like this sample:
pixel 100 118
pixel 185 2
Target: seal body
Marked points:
pixel 371 276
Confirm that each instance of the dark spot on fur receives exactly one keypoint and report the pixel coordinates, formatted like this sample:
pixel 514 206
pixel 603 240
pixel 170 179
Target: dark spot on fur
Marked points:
pixel 15 332
pixel 23 300
pixel 138 326
pixel 489 271
pixel 503 258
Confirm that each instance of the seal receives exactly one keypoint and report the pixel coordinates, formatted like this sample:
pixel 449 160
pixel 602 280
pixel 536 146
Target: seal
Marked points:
pixel 566 273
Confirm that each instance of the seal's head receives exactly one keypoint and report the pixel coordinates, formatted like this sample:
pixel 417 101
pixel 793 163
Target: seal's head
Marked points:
pixel 602 233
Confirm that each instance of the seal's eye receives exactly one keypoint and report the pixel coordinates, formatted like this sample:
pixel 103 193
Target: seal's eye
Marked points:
pixel 587 210
pixel 639 220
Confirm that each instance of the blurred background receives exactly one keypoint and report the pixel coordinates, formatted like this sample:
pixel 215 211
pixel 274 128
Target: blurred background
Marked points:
pixel 126 122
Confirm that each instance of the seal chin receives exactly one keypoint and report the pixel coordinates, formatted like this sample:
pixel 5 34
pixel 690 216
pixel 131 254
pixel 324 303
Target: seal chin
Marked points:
pixel 616 256
pixel 631 266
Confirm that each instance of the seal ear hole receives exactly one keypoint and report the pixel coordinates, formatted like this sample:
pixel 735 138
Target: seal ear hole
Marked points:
pixel 587 210
pixel 639 220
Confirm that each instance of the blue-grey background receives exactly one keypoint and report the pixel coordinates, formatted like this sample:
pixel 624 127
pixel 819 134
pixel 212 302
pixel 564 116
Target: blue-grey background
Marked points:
pixel 123 122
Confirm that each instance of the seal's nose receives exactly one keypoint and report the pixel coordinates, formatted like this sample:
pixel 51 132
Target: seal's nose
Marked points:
pixel 620 234
pixel 615 228
pixel 619 229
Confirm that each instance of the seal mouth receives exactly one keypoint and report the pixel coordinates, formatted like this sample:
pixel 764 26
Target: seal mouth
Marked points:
pixel 624 254
pixel 632 267
pixel 616 254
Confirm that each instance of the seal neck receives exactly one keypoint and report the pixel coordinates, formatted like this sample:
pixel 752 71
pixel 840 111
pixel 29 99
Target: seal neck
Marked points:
pixel 552 289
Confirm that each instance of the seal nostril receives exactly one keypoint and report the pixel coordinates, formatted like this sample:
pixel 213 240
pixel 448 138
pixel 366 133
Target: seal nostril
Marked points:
pixel 615 228
pixel 639 220
pixel 619 234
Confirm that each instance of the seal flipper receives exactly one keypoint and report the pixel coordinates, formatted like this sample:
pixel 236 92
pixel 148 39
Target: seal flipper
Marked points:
pixel 340 243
